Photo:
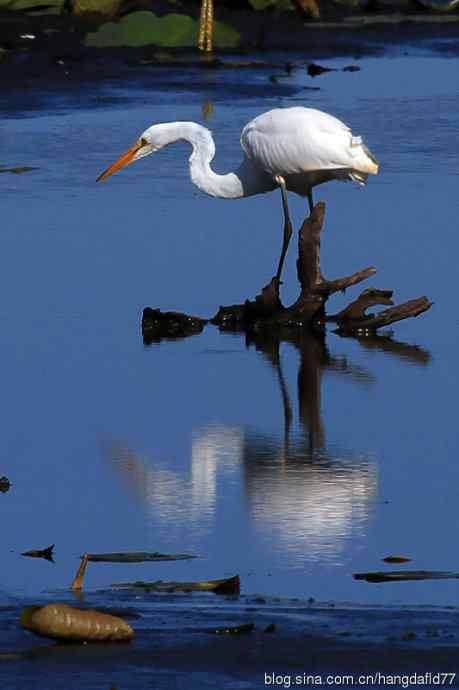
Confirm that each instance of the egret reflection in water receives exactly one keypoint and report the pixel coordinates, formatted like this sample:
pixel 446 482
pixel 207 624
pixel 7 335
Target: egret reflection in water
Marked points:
pixel 292 488
pixel 312 497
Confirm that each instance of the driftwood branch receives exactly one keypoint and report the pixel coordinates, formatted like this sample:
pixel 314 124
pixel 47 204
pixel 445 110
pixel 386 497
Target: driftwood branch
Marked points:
pixel 407 310
pixel 267 313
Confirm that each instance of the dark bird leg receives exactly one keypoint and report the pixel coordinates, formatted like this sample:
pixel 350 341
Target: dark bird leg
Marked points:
pixel 310 201
pixel 287 226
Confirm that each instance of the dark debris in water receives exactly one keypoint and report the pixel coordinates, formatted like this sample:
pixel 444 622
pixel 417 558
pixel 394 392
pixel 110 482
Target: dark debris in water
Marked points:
pixel 5 484
pixel 396 559
pixel 17 170
pixel 406 575
pixel 316 70
pixel 244 629
pixel 169 325
pixel 47 553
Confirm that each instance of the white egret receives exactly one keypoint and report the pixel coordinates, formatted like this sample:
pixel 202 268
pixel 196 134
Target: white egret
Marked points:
pixel 291 148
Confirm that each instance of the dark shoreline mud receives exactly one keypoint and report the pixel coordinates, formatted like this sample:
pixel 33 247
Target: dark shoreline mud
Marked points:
pixel 177 635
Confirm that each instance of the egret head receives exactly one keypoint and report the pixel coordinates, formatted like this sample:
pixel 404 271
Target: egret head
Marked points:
pixel 149 142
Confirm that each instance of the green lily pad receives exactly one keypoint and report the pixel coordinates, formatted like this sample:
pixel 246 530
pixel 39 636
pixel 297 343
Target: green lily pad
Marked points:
pixel 145 28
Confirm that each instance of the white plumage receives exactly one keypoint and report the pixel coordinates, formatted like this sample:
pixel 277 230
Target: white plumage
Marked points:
pixel 291 148
pixel 308 145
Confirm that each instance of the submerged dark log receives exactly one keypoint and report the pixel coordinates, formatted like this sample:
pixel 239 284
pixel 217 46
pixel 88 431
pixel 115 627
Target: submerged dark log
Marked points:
pixel 172 325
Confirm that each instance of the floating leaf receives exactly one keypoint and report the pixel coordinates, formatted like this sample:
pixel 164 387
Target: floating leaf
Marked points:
pixel 62 622
pixel 18 170
pixel 145 28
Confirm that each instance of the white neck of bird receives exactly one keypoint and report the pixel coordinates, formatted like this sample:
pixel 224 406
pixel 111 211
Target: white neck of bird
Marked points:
pixel 243 182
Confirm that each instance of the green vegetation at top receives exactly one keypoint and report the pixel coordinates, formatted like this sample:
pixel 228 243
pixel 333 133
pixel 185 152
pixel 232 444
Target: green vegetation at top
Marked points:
pixel 145 28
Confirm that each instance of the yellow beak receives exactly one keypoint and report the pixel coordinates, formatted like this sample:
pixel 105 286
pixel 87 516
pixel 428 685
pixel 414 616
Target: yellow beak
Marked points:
pixel 126 159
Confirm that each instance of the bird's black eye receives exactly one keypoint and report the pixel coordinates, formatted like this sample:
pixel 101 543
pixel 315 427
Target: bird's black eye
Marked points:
pixel 143 141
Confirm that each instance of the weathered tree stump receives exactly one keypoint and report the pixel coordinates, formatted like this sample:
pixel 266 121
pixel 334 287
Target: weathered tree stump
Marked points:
pixel 267 311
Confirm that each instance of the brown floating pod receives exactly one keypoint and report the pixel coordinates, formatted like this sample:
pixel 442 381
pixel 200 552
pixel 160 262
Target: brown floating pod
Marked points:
pixel 229 585
pixel 63 622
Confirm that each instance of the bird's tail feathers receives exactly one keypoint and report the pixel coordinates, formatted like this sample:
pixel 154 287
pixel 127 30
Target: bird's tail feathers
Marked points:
pixel 365 162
